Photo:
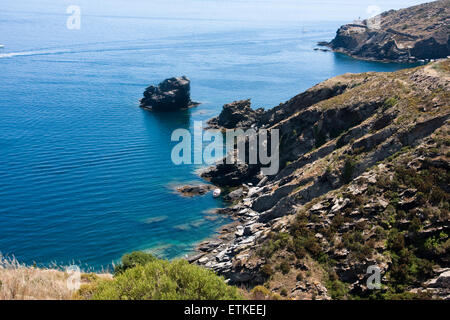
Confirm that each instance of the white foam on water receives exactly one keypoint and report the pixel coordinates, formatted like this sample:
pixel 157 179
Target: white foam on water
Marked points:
pixel 32 53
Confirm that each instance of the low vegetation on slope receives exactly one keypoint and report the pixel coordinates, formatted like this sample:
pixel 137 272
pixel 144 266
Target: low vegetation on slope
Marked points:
pixel 139 276
pixel 19 282
pixel 392 210
pixel 143 277
pixel 394 216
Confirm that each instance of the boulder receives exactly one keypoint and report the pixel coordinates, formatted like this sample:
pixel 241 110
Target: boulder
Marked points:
pixel 170 95
pixel 234 195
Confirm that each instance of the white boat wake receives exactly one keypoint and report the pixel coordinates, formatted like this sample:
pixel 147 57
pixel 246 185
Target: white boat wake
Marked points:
pixel 32 53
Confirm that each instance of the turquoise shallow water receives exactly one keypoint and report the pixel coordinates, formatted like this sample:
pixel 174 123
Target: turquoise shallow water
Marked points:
pixel 85 175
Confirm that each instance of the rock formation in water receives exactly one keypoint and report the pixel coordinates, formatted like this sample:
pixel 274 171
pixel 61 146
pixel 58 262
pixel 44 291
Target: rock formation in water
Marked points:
pixel 170 95
pixel 364 181
pixel 408 35
pixel 195 190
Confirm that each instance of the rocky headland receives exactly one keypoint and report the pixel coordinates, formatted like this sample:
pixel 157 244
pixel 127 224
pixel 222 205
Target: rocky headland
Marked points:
pixel 418 33
pixel 170 95
pixel 364 181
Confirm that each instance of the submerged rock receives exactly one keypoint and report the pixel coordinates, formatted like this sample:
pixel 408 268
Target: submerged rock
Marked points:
pixel 195 190
pixel 170 95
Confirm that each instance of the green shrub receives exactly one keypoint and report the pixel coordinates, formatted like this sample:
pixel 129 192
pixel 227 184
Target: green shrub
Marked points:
pixel 358 247
pixel 396 240
pixel 131 260
pixel 267 271
pixel 275 242
pixel 260 293
pixel 389 103
pixel 285 267
pixel 349 168
pixel 304 240
pixel 165 280
pixel 338 290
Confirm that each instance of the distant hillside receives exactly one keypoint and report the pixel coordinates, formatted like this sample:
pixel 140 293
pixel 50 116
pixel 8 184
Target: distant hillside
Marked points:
pixel 407 35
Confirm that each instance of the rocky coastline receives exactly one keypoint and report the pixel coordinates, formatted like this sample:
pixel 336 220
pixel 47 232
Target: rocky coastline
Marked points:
pixel 340 140
pixel 416 34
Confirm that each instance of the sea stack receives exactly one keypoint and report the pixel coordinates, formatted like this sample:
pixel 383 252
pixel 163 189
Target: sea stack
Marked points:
pixel 170 95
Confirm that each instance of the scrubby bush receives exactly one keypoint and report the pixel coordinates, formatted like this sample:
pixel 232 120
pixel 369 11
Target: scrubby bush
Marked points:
pixel 165 280
pixel 285 267
pixel 267 271
pixel 134 259
pixel 304 240
pixel 260 293
pixel 389 103
pixel 276 241
pixel 349 168
pixel 337 289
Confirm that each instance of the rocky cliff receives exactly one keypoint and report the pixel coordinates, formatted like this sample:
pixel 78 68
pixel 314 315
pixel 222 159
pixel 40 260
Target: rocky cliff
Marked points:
pixel 407 35
pixel 364 182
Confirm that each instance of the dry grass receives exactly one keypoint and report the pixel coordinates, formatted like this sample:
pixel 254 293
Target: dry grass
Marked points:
pixel 20 282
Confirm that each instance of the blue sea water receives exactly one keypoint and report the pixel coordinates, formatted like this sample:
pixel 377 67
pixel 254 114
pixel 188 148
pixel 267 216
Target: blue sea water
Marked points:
pixel 86 175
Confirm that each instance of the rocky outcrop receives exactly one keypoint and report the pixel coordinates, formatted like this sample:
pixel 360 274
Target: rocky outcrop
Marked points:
pixel 195 190
pixel 230 175
pixel 440 286
pixel 408 35
pixel 363 182
pixel 237 114
pixel 170 95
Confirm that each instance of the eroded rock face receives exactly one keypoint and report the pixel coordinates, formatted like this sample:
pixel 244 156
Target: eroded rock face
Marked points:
pixel 407 35
pixel 170 95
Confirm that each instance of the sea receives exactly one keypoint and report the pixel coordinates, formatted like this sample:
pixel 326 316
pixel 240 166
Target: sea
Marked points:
pixel 85 174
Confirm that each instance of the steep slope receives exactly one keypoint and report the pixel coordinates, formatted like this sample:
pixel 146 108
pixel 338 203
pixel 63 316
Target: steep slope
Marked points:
pixel 364 181
pixel 416 33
